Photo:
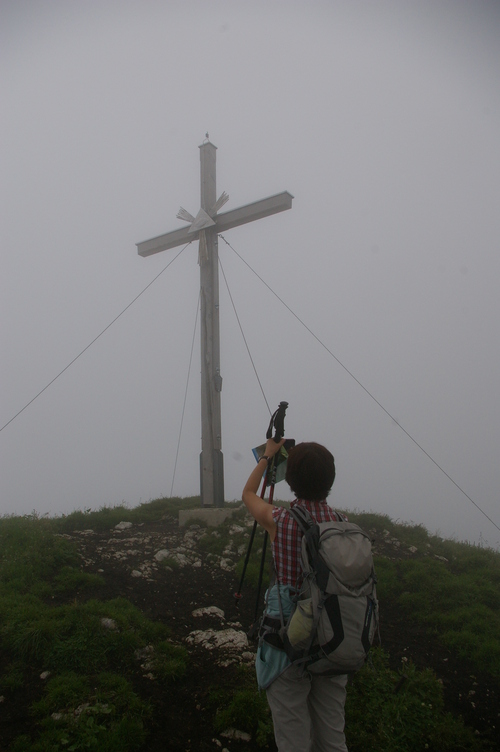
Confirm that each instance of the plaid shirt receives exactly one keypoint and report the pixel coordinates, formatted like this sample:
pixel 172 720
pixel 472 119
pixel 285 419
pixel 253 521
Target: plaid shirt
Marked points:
pixel 287 544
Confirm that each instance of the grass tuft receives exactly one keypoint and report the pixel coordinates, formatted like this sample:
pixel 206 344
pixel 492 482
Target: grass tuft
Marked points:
pixel 401 712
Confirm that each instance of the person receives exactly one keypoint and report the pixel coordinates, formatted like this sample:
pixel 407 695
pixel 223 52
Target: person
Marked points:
pixel 308 711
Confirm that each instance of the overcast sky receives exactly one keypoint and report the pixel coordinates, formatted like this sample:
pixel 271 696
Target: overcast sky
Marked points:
pixel 382 118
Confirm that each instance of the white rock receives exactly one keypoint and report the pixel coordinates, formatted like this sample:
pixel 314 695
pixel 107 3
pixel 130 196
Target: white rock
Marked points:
pixel 123 526
pixel 109 623
pixel 235 734
pixel 225 639
pixel 44 675
pixel 136 573
pixel 413 549
pixel 209 611
pixel 234 529
pixel 181 560
pixel 227 565
pixel 231 639
pixel 163 554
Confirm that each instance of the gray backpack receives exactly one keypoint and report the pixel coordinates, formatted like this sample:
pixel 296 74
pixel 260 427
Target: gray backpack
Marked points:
pixel 336 615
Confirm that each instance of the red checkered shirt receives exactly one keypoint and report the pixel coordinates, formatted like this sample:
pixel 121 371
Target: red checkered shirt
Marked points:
pixel 287 544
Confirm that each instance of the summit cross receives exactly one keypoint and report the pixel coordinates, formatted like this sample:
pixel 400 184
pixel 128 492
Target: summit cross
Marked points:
pixel 206 227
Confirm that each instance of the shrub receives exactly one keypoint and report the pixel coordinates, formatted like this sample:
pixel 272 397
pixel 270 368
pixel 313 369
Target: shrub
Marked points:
pixel 401 712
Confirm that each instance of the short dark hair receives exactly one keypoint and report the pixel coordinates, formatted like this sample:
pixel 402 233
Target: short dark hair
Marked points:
pixel 310 471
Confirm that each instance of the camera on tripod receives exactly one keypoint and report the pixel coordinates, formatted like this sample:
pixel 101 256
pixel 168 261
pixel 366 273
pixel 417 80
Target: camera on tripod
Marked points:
pixel 277 424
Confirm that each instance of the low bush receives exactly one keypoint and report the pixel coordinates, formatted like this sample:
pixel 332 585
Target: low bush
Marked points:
pixel 76 713
pixel 401 712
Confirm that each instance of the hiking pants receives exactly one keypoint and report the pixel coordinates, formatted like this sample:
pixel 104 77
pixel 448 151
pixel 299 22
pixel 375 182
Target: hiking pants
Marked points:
pixel 308 712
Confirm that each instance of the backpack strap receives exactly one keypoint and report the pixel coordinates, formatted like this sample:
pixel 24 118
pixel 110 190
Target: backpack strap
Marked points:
pixel 302 518
pixel 310 529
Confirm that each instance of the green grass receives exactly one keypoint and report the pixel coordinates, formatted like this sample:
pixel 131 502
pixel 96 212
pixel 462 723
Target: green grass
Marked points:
pixel 402 711
pixel 77 713
pixel 51 620
pixel 106 518
pixel 461 605
pixel 386 711
pixel 48 623
pixel 239 705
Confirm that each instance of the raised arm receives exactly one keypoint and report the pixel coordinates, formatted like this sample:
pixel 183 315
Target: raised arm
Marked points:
pixel 260 510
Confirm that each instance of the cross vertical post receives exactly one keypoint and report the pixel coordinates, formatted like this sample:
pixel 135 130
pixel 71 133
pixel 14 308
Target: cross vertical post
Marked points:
pixel 211 458
pixel 206 227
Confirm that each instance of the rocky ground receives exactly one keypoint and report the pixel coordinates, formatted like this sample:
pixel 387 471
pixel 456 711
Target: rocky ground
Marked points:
pixel 160 568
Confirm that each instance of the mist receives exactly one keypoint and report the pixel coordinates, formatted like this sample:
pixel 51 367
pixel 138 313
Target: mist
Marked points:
pixel 371 306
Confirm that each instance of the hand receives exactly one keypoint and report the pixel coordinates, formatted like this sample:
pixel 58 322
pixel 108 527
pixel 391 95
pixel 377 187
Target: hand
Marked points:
pixel 273 447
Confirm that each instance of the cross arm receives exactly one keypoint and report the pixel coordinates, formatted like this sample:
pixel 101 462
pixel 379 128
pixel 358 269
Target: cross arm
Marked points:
pixel 225 221
pixel 257 210
pixel 164 242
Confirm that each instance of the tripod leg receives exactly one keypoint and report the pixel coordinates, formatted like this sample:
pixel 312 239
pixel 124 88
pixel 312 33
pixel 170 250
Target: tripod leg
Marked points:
pixel 237 595
pixel 263 557
pixel 261 572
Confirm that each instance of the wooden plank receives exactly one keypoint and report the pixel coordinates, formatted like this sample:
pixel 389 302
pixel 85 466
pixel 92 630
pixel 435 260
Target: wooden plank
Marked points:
pixel 225 221
pixel 258 209
pixel 164 242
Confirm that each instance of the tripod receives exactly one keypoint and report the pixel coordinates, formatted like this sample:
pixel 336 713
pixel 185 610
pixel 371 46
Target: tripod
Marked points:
pixel 276 422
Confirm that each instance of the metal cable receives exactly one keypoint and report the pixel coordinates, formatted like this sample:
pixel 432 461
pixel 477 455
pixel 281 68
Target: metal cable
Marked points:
pixel 364 388
pixel 94 340
pixel 243 335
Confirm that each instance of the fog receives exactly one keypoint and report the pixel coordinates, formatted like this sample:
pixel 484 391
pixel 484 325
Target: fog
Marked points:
pixel 382 119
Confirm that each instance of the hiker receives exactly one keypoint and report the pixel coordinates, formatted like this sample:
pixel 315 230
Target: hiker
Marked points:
pixel 307 709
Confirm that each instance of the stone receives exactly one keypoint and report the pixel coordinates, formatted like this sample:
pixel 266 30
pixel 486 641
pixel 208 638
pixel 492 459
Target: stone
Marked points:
pixel 234 529
pixel 225 639
pixel 235 734
pixel 142 653
pixel 162 555
pixel 108 623
pixel 209 611
pixel 123 526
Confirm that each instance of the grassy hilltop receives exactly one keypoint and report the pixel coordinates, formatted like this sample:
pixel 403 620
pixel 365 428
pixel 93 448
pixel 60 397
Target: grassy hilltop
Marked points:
pixel 94 656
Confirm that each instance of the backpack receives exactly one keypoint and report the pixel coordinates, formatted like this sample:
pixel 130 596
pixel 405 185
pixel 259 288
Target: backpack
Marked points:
pixel 336 613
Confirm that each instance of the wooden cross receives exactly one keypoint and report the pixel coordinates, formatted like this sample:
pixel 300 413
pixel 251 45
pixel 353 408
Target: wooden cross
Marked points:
pixel 206 227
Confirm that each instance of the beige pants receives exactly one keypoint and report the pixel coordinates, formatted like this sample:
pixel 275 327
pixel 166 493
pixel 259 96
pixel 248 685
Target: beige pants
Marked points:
pixel 308 712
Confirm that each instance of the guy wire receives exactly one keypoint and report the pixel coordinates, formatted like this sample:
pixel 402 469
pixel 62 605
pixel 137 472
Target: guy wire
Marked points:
pixel 186 391
pixel 94 340
pixel 243 335
pixel 363 387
